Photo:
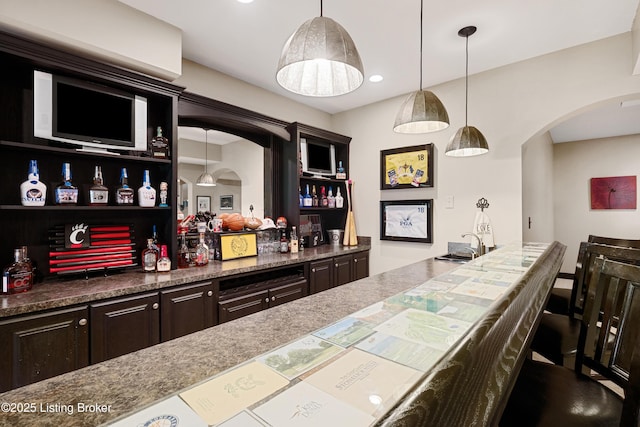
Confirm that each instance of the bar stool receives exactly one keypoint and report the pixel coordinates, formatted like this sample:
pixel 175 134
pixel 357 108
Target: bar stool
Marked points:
pixel 551 395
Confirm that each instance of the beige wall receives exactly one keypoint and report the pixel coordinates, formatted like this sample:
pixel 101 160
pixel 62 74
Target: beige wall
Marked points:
pixel 510 105
pixel 575 163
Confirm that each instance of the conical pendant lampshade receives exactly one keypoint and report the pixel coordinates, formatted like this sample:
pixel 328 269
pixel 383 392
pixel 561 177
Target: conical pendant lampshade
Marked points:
pixel 468 141
pixel 320 59
pixel 422 111
pixel 206 179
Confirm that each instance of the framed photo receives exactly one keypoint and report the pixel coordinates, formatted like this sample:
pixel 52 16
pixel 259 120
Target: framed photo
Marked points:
pixel 406 220
pixel 204 203
pixel 226 203
pixel 406 167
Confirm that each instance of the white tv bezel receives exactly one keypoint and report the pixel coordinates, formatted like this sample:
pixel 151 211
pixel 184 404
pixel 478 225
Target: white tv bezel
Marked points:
pixel 317 172
pixel 43 119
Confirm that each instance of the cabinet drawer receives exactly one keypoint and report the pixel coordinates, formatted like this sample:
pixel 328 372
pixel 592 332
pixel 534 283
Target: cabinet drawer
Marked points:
pixel 234 308
pixel 285 293
pixel 187 309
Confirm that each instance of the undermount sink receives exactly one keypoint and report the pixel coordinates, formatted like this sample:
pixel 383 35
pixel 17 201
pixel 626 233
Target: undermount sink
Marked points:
pixel 454 258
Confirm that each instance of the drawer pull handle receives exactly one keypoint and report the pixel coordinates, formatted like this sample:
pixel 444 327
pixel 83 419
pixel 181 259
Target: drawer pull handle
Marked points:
pixel 82 322
pixel 313 270
pixel 210 293
pixel 266 299
pixel 155 306
pixel 336 265
pixel 355 260
pixel 273 298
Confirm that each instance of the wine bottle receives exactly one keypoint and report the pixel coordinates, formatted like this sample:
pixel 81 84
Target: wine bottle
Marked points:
pixel 124 193
pixel 183 253
pixel 159 145
pixel 146 193
pixel 66 193
pixel 33 192
pixel 98 193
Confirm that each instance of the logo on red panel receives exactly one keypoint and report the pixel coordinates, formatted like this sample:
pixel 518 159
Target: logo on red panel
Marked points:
pixel 76 236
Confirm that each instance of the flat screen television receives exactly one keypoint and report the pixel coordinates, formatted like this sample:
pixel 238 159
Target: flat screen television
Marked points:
pixel 99 118
pixel 318 158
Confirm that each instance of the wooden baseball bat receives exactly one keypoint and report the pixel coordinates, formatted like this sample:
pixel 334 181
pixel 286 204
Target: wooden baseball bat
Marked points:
pixel 353 236
pixel 347 226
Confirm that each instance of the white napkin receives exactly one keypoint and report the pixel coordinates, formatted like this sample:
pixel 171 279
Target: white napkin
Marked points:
pixel 483 228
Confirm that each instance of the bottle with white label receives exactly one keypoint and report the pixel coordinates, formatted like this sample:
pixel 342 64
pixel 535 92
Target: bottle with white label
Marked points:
pixel 146 193
pixel 66 193
pixel 339 199
pixel 33 192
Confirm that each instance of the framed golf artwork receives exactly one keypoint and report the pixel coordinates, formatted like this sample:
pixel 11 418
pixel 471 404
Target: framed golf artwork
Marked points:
pixel 407 220
pixel 406 167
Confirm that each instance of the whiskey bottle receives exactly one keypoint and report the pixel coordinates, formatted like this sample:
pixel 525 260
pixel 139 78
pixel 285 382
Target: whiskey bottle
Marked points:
pixel 18 276
pixel 149 257
pixel 307 202
pixel 183 253
pixel 284 243
pixel 98 193
pixel 33 192
pixel 124 193
pixel 159 146
pixel 324 202
pixel 339 199
pixel 294 240
pixel 202 252
pixel 66 193
pixel 314 197
pixel 331 200
pixel 146 193
pixel 164 263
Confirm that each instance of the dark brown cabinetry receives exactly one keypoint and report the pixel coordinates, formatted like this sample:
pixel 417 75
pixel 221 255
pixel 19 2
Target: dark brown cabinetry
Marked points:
pixel 42 346
pixel 187 309
pixel 336 271
pixel 27 225
pixel 124 325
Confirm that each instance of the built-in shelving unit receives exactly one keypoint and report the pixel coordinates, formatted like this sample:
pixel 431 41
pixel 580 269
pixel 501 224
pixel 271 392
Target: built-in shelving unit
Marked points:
pixel 29 226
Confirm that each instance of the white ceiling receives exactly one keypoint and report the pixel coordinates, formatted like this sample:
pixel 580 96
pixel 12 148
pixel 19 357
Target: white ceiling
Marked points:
pixel 245 40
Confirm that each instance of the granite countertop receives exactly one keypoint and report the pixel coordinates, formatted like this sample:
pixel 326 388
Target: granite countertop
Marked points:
pixel 64 293
pixel 134 380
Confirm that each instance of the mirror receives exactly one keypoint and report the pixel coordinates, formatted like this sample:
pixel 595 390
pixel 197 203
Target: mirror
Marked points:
pixel 236 164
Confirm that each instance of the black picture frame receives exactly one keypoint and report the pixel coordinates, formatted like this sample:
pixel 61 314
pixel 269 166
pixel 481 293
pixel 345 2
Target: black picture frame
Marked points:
pixel 407 167
pixel 203 203
pixel 407 220
pixel 226 202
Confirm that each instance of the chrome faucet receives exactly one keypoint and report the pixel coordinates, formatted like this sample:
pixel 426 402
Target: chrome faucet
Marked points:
pixel 481 250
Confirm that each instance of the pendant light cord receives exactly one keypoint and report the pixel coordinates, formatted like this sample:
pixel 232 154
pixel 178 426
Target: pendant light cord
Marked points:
pixel 421 13
pixel 206 144
pixel 466 84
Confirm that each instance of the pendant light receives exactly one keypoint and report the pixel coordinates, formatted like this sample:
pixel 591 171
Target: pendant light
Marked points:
pixel 422 111
pixel 320 59
pixel 468 141
pixel 206 180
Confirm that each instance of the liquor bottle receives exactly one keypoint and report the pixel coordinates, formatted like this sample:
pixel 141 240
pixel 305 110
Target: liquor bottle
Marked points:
pixel 284 243
pixel 124 193
pixel 331 200
pixel 308 201
pixel 314 197
pixel 164 263
pixel 183 253
pixel 340 173
pixel 324 202
pixel 149 257
pixel 18 276
pixel 300 198
pixel 33 192
pixel 146 193
pixel 98 193
pixel 294 240
pixel 154 237
pixel 339 199
pixel 159 145
pixel 66 193
pixel 202 252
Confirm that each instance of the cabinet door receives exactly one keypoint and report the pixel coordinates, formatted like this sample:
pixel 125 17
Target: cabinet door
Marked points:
pixel 42 346
pixel 342 269
pixel 234 308
pixel 123 326
pixel 285 293
pixel 187 309
pixel 320 275
pixel 360 265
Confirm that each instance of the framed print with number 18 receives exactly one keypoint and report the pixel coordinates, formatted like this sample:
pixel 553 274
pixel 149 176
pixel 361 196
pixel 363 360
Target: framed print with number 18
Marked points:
pixel 406 167
pixel 406 220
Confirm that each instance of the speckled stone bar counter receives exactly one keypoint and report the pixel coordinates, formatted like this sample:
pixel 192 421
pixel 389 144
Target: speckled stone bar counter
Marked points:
pixel 63 293
pixel 126 384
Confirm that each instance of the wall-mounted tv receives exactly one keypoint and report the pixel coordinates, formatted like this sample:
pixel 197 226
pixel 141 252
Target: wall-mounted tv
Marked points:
pixel 318 158
pixel 94 116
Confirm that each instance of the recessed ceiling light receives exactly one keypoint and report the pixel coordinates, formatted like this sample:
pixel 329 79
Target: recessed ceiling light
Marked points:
pixel 376 78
